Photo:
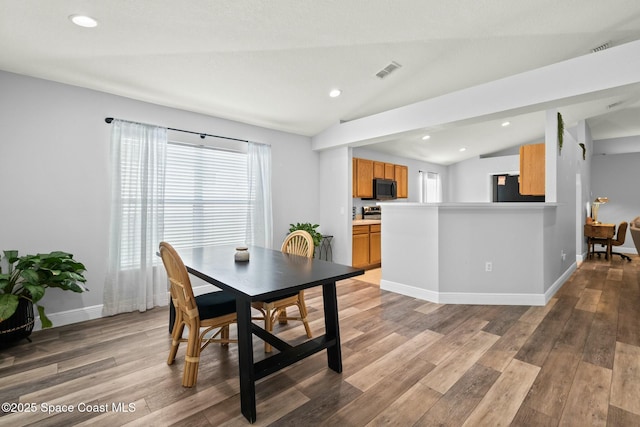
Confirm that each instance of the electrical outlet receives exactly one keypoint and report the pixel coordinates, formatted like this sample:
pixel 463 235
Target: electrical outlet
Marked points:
pixel 563 255
pixel 488 266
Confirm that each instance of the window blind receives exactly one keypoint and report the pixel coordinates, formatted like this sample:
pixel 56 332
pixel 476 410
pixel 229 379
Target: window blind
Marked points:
pixel 206 196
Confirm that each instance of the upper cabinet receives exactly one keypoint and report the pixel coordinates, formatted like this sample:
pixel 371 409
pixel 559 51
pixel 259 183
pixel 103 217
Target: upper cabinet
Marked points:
pixel 401 172
pixel 390 171
pixel 364 171
pixel 362 178
pixel 532 169
pixel 378 169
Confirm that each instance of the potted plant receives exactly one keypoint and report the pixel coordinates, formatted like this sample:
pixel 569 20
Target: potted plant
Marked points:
pixel 25 281
pixel 309 228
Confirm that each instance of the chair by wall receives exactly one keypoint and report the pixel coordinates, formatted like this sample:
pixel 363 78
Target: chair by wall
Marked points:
pixel 618 241
pixel 201 314
pixel 300 243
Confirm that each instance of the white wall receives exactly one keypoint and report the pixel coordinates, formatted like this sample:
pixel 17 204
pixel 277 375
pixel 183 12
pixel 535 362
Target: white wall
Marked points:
pixel 54 167
pixel 335 201
pixel 470 180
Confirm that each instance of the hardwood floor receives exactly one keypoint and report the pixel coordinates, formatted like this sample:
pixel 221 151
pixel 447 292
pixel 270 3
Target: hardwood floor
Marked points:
pixel 574 362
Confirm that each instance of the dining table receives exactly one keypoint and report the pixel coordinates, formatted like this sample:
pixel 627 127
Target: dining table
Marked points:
pixel 268 274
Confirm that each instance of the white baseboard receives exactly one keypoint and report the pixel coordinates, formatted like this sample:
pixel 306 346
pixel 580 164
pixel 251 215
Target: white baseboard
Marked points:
pixel 558 283
pixel 95 312
pixel 478 298
pixel 70 316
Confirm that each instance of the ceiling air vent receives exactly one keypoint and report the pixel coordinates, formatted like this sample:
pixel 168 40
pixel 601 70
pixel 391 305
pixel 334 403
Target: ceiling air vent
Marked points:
pixel 603 46
pixel 388 70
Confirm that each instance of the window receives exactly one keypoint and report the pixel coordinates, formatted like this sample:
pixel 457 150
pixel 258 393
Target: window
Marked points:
pixel 206 196
pixel 431 187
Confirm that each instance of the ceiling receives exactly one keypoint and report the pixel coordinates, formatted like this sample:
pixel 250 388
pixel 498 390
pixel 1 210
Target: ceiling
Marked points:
pixel 273 63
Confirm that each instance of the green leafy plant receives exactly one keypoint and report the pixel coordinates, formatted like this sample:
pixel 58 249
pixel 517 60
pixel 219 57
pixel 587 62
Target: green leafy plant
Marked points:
pixel 310 228
pixel 29 276
pixel 560 131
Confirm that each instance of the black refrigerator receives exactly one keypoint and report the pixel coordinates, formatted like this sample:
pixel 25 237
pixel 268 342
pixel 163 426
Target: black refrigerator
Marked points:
pixel 507 189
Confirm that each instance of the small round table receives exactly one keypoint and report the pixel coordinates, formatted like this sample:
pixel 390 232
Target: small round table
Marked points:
pixel 324 249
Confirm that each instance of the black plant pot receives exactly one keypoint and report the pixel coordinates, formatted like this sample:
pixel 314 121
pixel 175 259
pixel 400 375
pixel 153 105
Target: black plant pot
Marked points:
pixel 19 325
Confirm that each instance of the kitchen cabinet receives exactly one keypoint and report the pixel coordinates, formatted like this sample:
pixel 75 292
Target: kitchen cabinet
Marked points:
pixel 366 250
pixel 532 169
pixel 378 169
pixel 360 255
pixel 363 178
pixel 389 171
pixel 401 176
pixel 364 171
pixel 375 247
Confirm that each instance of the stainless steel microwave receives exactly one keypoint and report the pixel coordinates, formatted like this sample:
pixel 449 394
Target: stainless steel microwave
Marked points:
pixel 385 189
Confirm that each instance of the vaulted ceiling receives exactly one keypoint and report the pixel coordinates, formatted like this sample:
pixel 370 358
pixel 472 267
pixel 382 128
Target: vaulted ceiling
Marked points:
pixel 273 63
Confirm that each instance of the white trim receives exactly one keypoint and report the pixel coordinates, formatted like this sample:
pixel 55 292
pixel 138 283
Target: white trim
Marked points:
pixel 71 316
pixel 558 284
pixel 478 298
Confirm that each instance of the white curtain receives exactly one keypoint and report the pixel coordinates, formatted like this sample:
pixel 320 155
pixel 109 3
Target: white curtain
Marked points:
pixel 259 221
pixel 136 279
pixel 430 187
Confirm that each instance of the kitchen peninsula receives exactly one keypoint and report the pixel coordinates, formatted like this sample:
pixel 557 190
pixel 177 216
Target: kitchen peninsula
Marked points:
pixel 474 253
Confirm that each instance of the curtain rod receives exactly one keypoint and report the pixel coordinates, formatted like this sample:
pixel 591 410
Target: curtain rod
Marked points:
pixel 202 135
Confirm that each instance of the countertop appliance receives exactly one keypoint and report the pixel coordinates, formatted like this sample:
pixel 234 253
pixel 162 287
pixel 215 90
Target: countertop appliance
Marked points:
pixel 372 212
pixel 385 189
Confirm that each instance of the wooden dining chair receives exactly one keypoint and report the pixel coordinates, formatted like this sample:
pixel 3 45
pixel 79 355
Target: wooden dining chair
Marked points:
pixel 300 243
pixel 201 314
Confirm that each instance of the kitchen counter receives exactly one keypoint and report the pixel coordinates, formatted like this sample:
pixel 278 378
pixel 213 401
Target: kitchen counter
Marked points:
pixel 366 221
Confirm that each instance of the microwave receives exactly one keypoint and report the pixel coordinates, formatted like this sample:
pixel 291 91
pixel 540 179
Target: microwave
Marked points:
pixel 385 189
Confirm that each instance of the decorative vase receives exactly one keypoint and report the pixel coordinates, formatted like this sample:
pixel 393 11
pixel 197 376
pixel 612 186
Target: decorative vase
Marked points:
pixel 19 325
pixel 242 254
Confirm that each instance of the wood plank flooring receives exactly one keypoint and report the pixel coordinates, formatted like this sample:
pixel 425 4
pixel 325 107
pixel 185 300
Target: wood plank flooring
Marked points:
pixel 574 362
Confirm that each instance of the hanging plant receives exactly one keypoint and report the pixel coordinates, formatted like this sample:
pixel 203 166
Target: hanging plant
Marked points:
pixel 560 131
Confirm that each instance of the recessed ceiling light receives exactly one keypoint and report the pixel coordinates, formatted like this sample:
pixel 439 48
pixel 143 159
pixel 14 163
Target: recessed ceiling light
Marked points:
pixel 424 138
pixel 505 124
pixel 462 149
pixel 83 21
pixel 335 93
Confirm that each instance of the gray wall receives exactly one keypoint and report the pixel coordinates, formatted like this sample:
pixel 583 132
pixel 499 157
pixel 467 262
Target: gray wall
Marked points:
pixel 617 176
pixel 54 168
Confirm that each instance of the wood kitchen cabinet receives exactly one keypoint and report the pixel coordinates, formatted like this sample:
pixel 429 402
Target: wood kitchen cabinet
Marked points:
pixel 364 171
pixel 532 169
pixel 401 176
pixel 389 171
pixel 366 251
pixel 375 247
pixel 360 255
pixel 378 169
pixel 363 178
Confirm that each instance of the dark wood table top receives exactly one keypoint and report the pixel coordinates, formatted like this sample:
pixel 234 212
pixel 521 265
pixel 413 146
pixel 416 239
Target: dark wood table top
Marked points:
pixel 268 273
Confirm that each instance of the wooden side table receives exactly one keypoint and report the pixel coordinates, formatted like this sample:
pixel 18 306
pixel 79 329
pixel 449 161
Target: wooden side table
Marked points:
pixel 599 231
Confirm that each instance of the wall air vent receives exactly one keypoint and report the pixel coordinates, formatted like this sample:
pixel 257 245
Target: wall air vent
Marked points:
pixel 603 46
pixel 388 70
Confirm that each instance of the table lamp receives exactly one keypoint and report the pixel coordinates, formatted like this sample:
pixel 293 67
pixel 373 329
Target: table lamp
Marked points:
pixel 595 206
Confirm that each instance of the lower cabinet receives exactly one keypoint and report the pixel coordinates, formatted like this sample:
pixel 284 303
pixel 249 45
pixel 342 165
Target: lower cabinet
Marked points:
pixel 366 251
pixel 375 250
